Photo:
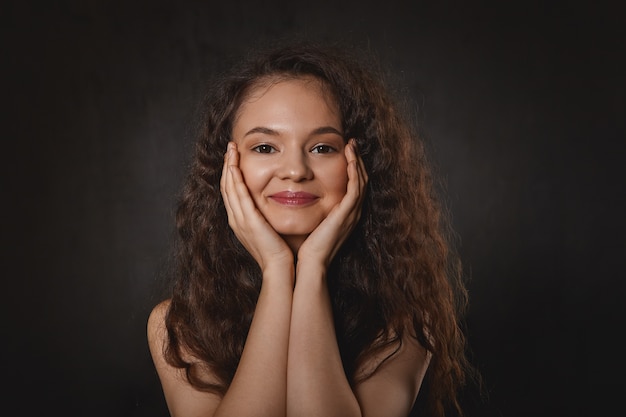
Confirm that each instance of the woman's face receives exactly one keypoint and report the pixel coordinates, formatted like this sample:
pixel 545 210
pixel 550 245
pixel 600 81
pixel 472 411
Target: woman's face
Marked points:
pixel 291 145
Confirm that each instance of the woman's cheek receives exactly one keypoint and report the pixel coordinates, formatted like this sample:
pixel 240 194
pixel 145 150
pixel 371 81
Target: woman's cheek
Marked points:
pixel 255 175
pixel 337 178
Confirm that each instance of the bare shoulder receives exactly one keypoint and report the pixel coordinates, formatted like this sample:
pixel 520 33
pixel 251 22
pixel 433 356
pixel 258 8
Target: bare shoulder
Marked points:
pixel 394 386
pixel 182 399
pixel 157 332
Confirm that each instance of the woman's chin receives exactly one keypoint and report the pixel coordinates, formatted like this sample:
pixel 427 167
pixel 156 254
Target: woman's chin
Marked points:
pixel 294 241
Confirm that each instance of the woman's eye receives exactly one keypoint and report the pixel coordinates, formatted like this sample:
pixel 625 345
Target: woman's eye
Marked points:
pixel 263 149
pixel 323 149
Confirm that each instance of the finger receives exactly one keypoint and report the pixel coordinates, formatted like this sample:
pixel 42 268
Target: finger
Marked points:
pixel 357 180
pixel 245 202
pixel 354 175
pixel 239 184
pixel 360 163
pixel 224 179
pixel 239 195
pixel 224 165
pixel 234 183
pixel 226 154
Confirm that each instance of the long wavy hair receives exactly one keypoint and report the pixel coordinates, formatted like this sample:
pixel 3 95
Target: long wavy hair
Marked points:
pixel 396 276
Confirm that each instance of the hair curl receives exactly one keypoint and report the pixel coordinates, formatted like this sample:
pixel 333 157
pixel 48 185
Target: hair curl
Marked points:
pixel 395 276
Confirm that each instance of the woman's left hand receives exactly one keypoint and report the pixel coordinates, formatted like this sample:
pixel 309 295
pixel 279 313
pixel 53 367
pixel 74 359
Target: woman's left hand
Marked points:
pixel 323 243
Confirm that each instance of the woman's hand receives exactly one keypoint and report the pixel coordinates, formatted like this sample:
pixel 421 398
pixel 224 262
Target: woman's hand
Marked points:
pixel 323 243
pixel 249 225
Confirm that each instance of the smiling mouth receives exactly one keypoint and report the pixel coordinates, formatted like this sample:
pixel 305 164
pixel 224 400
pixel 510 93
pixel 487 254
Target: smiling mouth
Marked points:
pixel 289 198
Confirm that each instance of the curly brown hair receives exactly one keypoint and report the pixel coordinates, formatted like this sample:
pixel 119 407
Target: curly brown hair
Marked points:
pixel 395 276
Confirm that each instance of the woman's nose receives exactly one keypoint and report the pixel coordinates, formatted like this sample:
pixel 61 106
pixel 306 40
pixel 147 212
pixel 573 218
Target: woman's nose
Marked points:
pixel 294 165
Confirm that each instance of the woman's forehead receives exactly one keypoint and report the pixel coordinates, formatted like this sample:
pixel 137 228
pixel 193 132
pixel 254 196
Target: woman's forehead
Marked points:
pixel 260 87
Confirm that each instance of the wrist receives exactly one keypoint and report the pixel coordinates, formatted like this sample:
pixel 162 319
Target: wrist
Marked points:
pixel 312 258
pixel 283 271
pixel 310 269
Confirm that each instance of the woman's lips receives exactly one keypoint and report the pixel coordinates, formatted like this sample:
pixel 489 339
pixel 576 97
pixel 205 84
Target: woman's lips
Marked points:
pixel 291 198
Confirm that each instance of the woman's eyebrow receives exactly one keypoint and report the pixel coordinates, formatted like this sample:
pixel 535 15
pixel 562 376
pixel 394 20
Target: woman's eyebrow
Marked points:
pixel 325 130
pixel 271 132
pixel 263 130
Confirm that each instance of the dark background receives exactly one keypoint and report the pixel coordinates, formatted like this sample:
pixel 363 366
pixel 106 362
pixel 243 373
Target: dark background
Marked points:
pixel 521 102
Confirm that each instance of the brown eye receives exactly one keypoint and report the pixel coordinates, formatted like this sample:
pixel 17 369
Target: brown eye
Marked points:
pixel 323 149
pixel 264 149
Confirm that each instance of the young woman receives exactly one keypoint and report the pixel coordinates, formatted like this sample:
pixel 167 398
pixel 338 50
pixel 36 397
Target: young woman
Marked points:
pixel 314 275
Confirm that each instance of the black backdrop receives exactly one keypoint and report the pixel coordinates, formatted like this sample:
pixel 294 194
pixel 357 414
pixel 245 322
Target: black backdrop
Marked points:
pixel 521 102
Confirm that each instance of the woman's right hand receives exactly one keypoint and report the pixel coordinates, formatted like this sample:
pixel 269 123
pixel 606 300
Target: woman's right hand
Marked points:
pixel 251 228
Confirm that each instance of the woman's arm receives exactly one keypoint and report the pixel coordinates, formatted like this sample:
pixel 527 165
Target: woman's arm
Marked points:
pixel 391 391
pixel 260 383
pixel 316 382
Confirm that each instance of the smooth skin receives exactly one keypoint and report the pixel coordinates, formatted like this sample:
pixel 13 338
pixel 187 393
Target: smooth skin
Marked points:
pixel 290 365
